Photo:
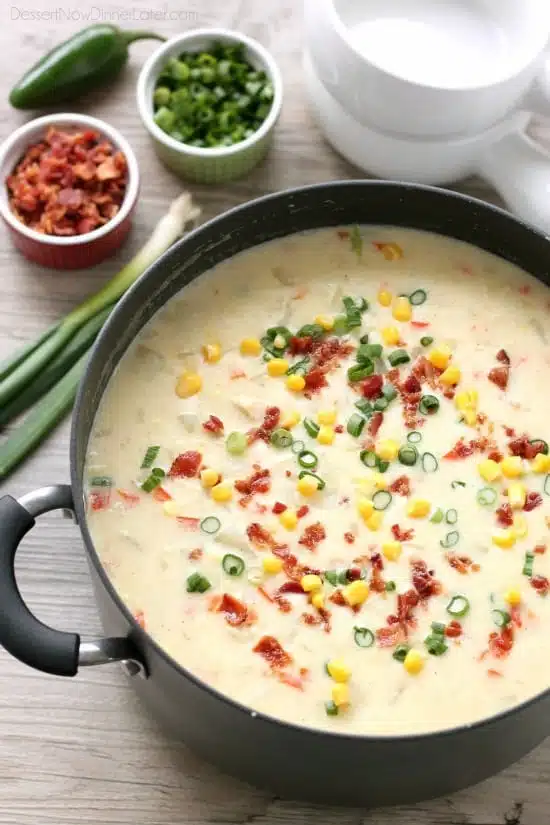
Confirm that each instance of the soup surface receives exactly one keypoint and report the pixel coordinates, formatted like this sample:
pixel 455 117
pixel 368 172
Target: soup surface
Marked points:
pixel 318 479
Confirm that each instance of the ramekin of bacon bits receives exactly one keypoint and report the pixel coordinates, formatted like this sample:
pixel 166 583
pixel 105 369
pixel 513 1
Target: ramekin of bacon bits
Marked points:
pixel 70 185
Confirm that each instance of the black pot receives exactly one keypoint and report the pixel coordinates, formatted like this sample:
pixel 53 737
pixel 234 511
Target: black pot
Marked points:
pixel 291 761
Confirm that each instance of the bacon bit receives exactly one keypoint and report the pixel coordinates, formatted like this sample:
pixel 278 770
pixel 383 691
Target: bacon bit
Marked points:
pixel 258 482
pixel 326 355
pixel 402 535
pixel 525 289
pixel 339 429
pixel 271 420
pixel 259 536
pixel 401 486
pixel 510 432
pixel 300 293
pixel 391 251
pixel 532 501
pixel 100 499
pixel 292 567
pixel 300 346
pixel 214 425
pixel 279 508
pixel 371 387
pixel 321 617
pixel 495 455
pixel 423 580
pixel 288 474
pixel 235 612
pixel 68 184
pixel 377 582
pixel 287 587
pixel 160 494
pixel 419 324
pixel 131 499
pixel 462 564
pixel 540 549
pixel 139 618
pixel 425 371
pixel 260 508
pixel 406 602
pixel 390 636
pixel 349 538
pixel 460 450
pixel 375 423
pixel 195 554
pixel 290 680
pixel 523 447
pixel 312 536
pixel 500 644
pixel 273 653
pixel 343 234
pixel 188 523
pixel 515 615
pixel 338 598
pixel 453 630
pixel 411 385
pixel 315 381
pixel 504 515
pixel 302 511
pixel 236 374
pixel 186 465
pixel 353 574
pixel 503 357
pixel 500 376
pixel 540 584
pixel 263 592
pixel 494 673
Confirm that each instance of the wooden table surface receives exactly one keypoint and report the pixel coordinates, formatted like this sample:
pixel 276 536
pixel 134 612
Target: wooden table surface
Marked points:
pixel 80 750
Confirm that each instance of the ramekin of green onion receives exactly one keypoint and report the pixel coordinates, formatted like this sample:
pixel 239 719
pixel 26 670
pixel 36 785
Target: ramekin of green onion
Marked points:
pixel 210 99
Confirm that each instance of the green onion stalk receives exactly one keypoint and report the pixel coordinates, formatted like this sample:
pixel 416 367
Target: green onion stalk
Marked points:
pixel 49 370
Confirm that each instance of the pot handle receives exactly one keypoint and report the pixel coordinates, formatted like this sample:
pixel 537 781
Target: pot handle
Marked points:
pixel 21 633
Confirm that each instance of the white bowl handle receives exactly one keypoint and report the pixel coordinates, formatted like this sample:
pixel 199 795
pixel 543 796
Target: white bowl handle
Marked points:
pixel 519 170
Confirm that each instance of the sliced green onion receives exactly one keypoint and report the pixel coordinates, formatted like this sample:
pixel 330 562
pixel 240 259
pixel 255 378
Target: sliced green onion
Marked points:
pixel 543 445
pixel 486 496
pixel 390 587
pixel 429 463
pixel 153 480
pixel 369 459
pixel 233 565
pixel 429 405
pixel 438 628
pixel 356 240
pixel 331 577
pixel 352 305
pixel 399 356
pixel 414 437
pixel 501 617
pixel 196 583
pixel 451 517
pixel 382 500
pixel 307 459
pixel 383 465
pixel 546 488
pixel 389 392
pixel 101 481
pixel 355 425
pixel 331 709
pixel 438 516
pixel 364 406
pixel 381 404
pixel 426 341
pixel 400 652
pixel 360 371
pixel 364 339
pixel 149 457
pixel 297 447
pixel 275 332
pixel 281 438
pixel 451 539
pixel 353 319
pixel 340 325
pixel 458 606
pixel 435 644
pixel 236 443
pixel 369 352
pixel 321 483
pixel 210 525
pixel 315 331
pixel 363 637
pixel 528 564
pixel 455 484
pixel 299 368
pixel 408 455
pixel 418 297
pixel 311 427
pixel 342 576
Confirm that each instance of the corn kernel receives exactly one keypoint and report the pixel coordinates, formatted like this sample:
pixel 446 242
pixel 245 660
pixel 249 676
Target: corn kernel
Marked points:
pixel 326 417
pixel 289 519
pixel 451 376
pixel 171 508
pixel 440 357
pixel 513 597
pixel 250 346
pixel 466 400
pixel 384 298
pixel 290 420
pixel 365 507
pixel 211 353
pixel 380 481
pixel 310 583
pixel 356 593
pixel 517 494
pixel 374 522
pixel 307 486
pixel 325 435
pixel 318 601
pixel 489 470
pixel 222 492
pixel 413 662
pixel 340 695
pixel 390 335
pixel 541 463
pixel 418 508
pixel 391 550
pixel 470 417
pixel 188 384
pixel 296 383
pixel 277 367
pixel 338 670
pixel 402 309
pixel 519 526
pixel 272 565
pixel 504 539
pixel 387 449
pixel 325 321
pixel 512 466
pixel 209 477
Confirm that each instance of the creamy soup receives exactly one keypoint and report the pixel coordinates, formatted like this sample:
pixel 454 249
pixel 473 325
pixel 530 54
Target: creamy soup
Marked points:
pixel 319 480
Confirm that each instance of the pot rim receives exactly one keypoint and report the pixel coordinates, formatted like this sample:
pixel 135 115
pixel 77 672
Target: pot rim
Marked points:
pixel 162 264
